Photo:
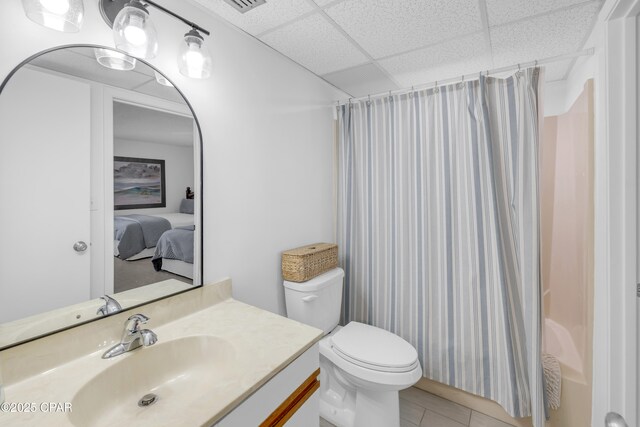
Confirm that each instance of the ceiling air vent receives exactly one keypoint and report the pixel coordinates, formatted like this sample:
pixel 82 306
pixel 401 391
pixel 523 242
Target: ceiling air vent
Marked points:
pixel 243 6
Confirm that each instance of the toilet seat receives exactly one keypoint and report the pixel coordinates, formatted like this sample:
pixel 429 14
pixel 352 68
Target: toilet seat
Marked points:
pixel 373 366
pixel 374 348
pixel 367 377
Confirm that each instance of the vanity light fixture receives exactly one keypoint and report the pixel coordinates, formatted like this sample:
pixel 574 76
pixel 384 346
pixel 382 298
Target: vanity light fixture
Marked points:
pixel 59 15
pixel 162 79
pixel 114 60
pixel 135 34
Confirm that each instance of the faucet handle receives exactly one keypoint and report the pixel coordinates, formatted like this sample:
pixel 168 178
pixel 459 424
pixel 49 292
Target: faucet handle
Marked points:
pixel 110 306
pixel 133 323
pixel 148 337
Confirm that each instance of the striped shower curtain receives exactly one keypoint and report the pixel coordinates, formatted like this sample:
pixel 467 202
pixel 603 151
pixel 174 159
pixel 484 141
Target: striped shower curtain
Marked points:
pixel 438 231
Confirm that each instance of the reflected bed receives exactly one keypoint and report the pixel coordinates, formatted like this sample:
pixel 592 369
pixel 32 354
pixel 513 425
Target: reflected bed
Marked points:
pixel 174 252
pixel 135 236
pixel 127 230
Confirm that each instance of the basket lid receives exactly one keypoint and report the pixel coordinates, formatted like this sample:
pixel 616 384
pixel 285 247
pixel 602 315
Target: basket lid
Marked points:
pixel 309 249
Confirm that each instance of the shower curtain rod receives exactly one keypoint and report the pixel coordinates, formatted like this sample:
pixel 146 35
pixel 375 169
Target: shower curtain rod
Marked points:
pixel 470 77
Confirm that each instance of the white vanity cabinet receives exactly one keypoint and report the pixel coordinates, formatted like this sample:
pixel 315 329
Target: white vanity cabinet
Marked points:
pixel 290 399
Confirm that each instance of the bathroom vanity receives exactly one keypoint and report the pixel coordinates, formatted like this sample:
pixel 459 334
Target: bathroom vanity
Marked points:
pixel 217 362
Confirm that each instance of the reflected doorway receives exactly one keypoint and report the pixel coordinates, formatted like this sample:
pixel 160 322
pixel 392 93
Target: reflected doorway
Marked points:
pixel 153 197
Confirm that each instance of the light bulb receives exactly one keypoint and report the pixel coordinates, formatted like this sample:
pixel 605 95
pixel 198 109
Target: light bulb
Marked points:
pixel 134 32
pixel 58 7
pixel 194 59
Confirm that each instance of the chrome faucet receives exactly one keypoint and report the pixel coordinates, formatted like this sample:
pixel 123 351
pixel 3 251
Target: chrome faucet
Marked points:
pixel 110 306
pixel 133 337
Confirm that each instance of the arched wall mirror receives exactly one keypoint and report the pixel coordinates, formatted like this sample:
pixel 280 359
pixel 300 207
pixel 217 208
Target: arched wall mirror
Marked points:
pixel 100 173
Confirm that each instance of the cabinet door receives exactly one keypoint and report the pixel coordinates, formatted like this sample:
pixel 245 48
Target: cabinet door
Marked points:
pixel 42 219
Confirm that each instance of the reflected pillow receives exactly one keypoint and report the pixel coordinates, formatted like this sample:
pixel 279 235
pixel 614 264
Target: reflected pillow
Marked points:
pixel 186 206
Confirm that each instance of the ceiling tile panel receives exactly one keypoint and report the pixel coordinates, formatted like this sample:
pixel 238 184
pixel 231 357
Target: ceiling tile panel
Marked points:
pixel 465 55
pixel 503 11
pixel 363 80
pixel 386 27
pixel 262 18
pixel 542 37
pixel 316 44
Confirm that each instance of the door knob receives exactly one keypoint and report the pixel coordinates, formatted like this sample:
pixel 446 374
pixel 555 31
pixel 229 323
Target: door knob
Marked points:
pixel 80 246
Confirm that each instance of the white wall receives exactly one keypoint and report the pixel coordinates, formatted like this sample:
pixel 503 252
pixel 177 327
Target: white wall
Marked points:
pixel 560 95
pixel 267 132
pixel 178 170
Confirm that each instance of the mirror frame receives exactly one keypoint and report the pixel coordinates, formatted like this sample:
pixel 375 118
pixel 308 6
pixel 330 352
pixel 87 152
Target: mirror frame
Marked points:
pixel 201 182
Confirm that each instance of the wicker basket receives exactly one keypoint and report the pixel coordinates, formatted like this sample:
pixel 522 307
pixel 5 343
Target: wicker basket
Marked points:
pixel 307 262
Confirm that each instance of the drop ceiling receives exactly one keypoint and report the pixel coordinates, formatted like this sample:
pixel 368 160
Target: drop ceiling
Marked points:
pixel 369 46
pixel 81 62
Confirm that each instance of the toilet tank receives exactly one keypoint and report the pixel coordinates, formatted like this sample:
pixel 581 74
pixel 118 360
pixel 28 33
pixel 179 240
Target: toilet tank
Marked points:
pixel 316 302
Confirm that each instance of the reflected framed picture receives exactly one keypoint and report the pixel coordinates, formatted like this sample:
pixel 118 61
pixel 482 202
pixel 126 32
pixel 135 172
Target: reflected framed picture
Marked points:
pixel 138 183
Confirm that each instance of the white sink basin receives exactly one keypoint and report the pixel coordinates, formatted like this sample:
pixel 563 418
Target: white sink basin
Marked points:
pixel 178 372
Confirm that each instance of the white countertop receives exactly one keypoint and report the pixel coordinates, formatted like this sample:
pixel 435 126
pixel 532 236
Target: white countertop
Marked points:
pixel 264 343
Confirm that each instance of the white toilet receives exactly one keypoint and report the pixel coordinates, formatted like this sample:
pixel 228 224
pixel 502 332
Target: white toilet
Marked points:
pixel 362 367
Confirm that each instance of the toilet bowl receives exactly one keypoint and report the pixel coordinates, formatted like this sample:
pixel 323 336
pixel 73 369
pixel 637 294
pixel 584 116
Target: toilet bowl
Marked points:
pixel 362 367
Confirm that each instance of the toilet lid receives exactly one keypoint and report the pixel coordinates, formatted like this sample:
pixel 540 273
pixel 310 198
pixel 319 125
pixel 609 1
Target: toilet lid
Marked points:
pixel 374 348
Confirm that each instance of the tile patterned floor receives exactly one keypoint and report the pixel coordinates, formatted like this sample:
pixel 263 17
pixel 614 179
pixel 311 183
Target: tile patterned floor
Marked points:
pixel 421 409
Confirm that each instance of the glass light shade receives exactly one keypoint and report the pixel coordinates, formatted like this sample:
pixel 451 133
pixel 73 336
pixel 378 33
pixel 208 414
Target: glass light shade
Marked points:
pixel 59 15
pixel 114 60
pixel 162 79
pixel 194 59
pixel 134 32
